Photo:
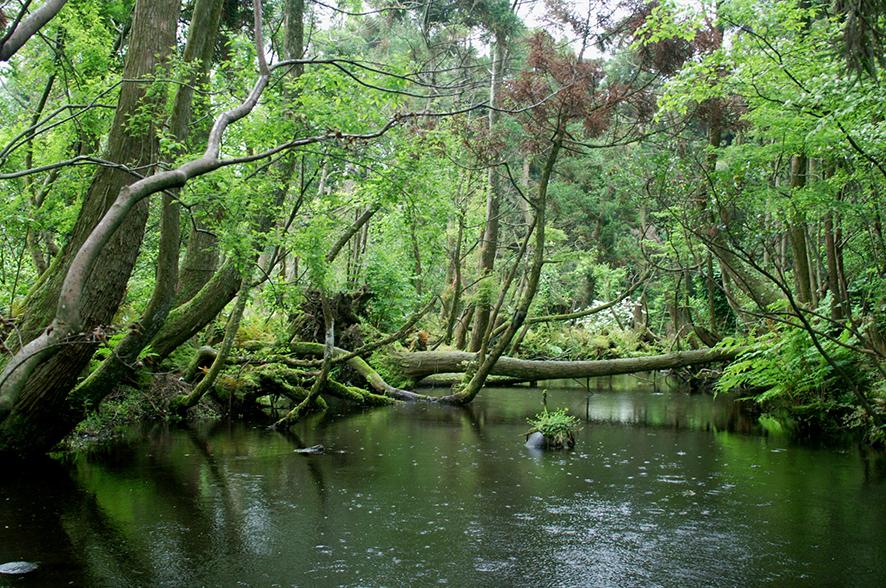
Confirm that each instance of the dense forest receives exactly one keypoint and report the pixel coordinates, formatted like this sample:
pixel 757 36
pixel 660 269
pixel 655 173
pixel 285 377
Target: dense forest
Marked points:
pixel 258 208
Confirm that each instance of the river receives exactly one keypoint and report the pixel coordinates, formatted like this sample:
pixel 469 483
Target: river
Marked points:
pixel 662 489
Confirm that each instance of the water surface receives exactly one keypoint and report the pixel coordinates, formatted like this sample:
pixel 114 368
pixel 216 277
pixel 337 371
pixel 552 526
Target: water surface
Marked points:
pixel 663 489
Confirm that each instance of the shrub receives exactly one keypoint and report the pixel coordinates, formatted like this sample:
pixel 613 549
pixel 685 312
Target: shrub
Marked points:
pixel 557 427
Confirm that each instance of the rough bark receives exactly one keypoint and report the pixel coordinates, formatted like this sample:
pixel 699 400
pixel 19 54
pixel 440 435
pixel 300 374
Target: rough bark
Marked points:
pixel 203 290
pixel 153 34
pixel 837 302
pixel 201 42
pixel 797 236
pixel 33 396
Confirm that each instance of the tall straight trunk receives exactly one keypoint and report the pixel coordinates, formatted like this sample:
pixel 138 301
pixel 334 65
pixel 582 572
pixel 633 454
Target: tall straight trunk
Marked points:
pixel 841 273
pixel 457 286
pixel 797 235
pixel 813 238
pixel 199 48
pixel 489 243
pixel 31 424
pixel 711 288
pixel 830 246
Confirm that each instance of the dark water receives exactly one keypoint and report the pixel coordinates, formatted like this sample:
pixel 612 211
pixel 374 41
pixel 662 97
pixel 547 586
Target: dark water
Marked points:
pixel 662 490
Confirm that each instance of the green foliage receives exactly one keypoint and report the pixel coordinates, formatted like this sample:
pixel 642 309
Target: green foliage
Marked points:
pixel 786 374
pixel 558 342
pixel 558 427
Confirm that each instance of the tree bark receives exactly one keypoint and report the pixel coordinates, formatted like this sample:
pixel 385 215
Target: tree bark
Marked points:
pixel 188 319
pixel 489 243
pixel 201 42
pixel 352 230
pixel 183 403
pixel 797 235
pixel 420 364
pixel 37 398
pixel 457 285
pixel 837 302
pixel 474 381
pixel 215 289
pixel 153 35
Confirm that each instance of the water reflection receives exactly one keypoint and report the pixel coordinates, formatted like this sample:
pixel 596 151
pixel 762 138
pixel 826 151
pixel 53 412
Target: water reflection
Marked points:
pixel 662 489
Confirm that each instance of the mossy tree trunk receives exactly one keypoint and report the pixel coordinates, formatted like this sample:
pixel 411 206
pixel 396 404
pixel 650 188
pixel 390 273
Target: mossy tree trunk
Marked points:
pixel 489 243
pixel 201 42
pixel 203 294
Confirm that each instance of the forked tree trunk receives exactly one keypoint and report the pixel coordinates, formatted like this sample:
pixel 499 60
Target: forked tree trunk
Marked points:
pixel 214 290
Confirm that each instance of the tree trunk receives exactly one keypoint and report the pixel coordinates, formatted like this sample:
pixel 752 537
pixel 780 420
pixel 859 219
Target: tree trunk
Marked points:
pixel 420 364
pixel 797 235
pixel 731 264
pixel 185 402
pixel 489 243
pixel 199 263
pixel 831 259
pixel 472 385
pixel 457 286
pixel 196 310
pixel 463 327
pixel 201 42
pixel 31 426
pixel 188 319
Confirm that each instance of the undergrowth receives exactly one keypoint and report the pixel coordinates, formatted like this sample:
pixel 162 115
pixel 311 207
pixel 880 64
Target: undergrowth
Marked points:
pixel 792 381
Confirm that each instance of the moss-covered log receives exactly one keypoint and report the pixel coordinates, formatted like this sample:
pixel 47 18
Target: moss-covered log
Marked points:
pixel 239 390
pixel 420 364
pixel 359 365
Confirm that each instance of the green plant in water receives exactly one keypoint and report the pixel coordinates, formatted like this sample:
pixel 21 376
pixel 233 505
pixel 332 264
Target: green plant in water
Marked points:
pixel 557 427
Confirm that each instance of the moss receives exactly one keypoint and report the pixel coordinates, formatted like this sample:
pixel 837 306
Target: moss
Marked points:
pixel 557 427
pixel 383 362
pixel 127 405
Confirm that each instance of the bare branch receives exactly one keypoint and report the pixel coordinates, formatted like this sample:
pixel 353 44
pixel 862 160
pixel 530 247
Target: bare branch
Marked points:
pixel 25 29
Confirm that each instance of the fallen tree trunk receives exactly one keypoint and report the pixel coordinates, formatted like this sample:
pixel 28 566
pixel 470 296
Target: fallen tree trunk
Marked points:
pixel 359 365
pixel 419 364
